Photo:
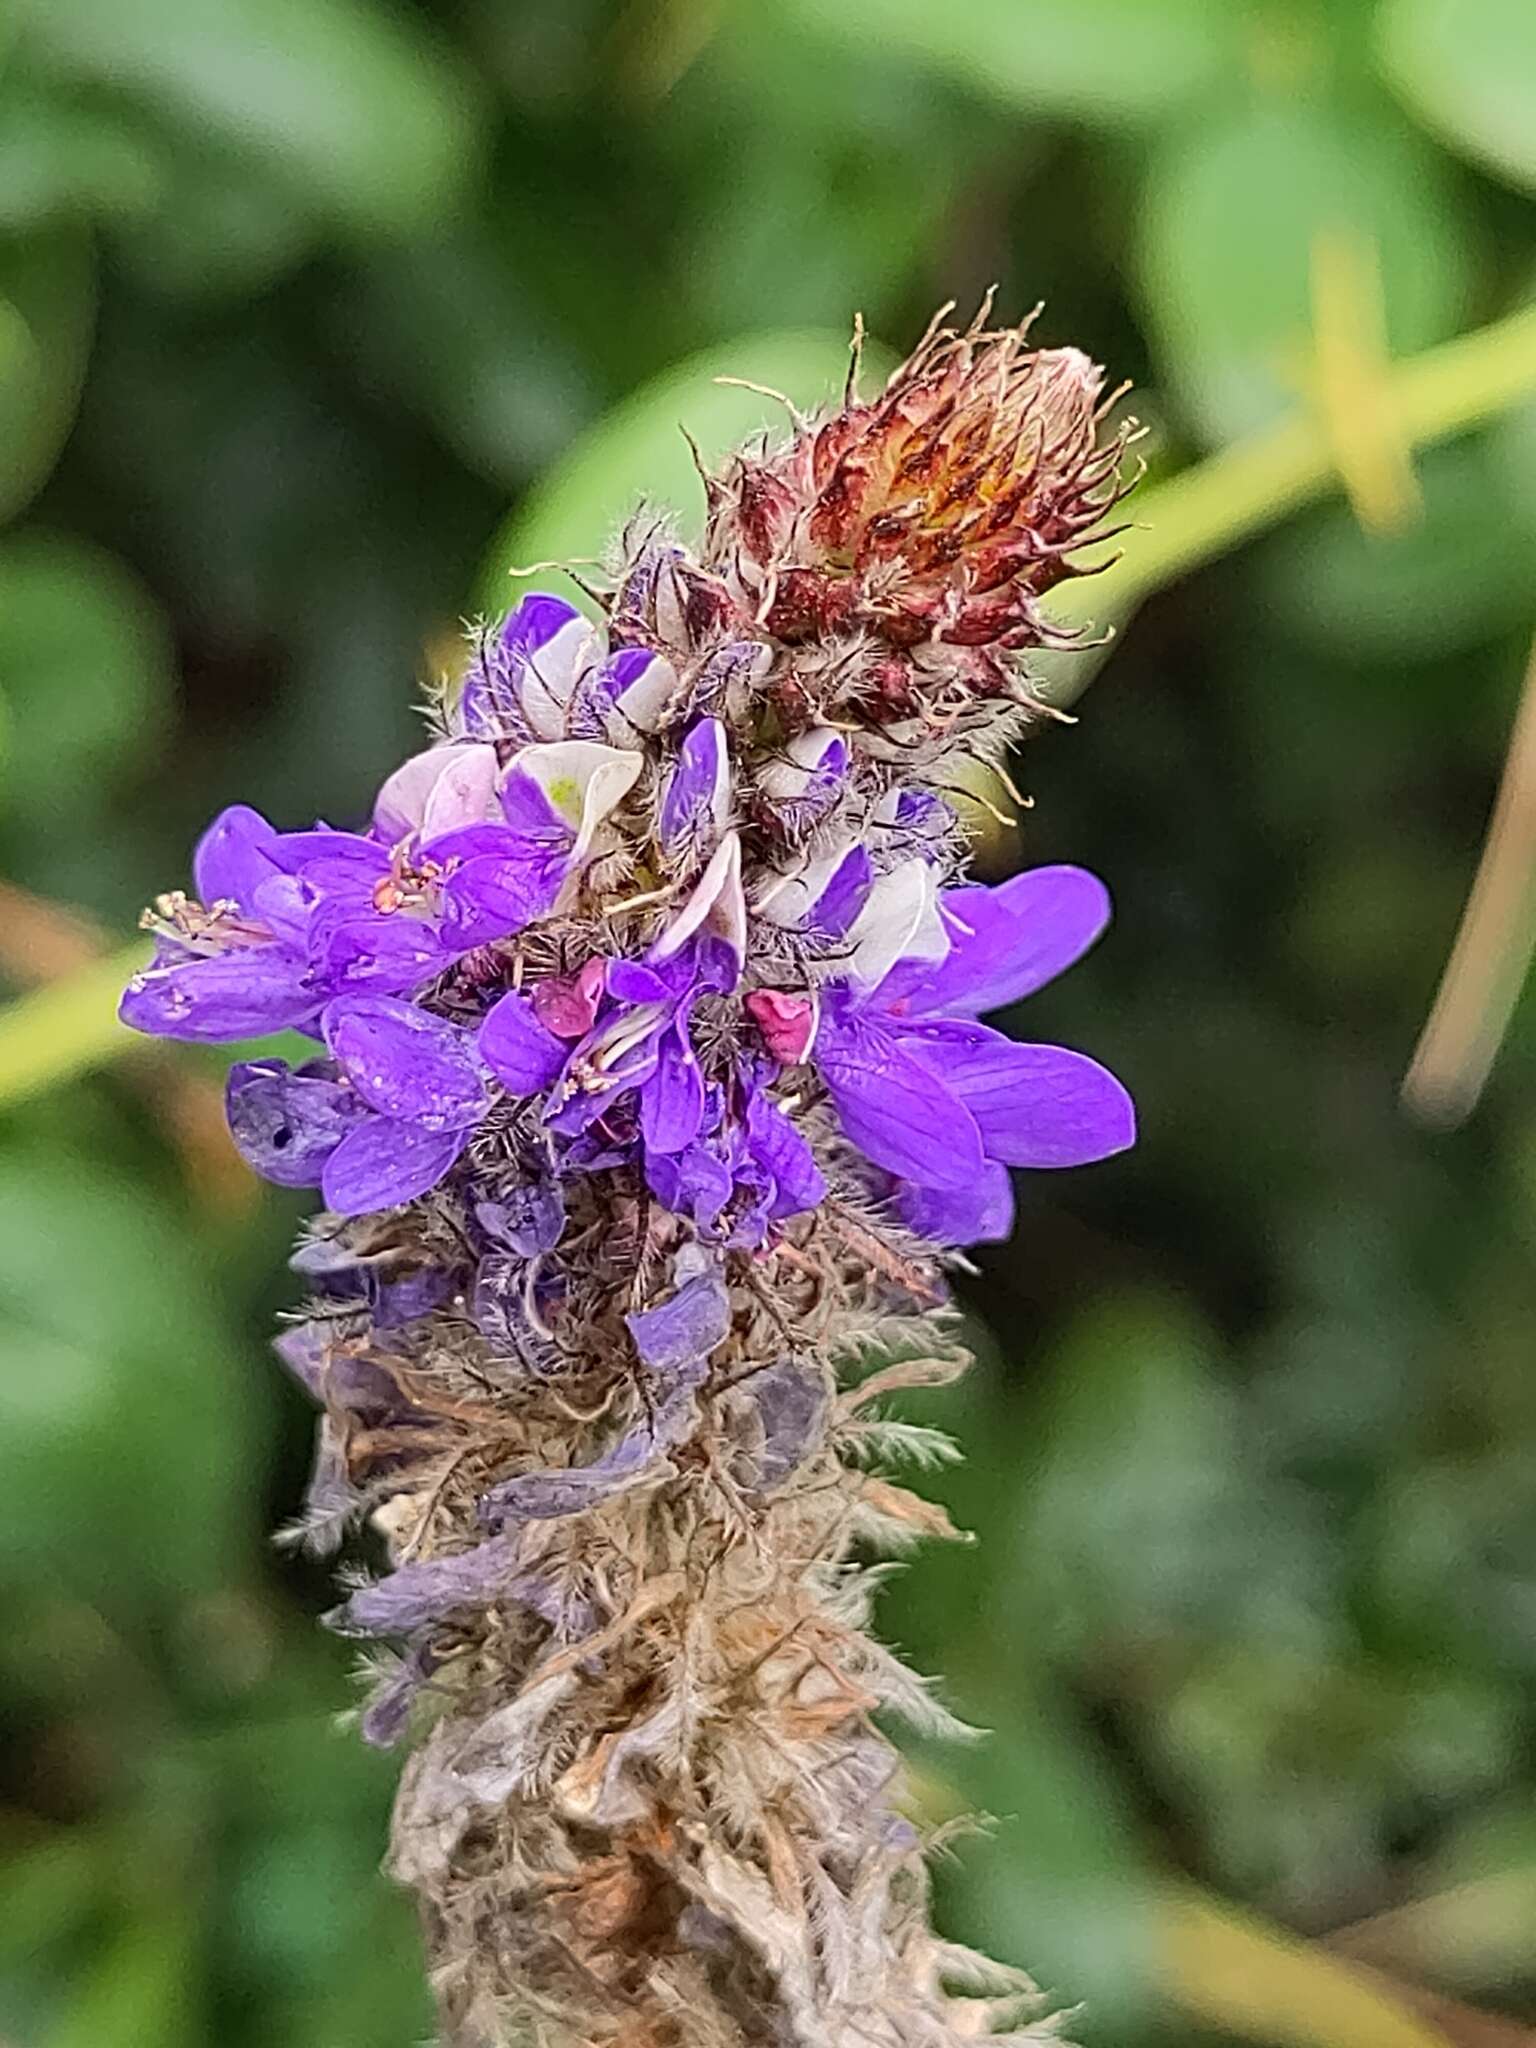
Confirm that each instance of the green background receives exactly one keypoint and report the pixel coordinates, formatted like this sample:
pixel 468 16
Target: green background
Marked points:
pixel 316 316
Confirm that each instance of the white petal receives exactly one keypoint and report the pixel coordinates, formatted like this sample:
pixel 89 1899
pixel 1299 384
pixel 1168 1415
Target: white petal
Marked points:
pixel 639 708
pixel 549 675
pixel 900 921
pixel 789 897
pixel 717 905
pixel 789 776
pixel 437 790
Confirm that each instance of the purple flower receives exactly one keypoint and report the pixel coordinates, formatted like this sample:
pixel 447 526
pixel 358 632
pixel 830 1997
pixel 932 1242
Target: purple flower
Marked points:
pixel 946 1104
pixel 382 1123
pixel 545 676
pixel 460 853
pixel 698 794
pixel 798 786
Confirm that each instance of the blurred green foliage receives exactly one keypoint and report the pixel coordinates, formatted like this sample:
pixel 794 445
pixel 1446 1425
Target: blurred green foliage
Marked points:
pixel 316 316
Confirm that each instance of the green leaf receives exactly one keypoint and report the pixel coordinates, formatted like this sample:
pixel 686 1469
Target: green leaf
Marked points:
pixel 1452 579
pixel 122 1406
pixel 87 665
pixel 1467 68
pixel 47 313
pixel 359 108
pixel 1094 60
pixel 1232 214
pixel 142 1990
pixel 59 164
pixel 638 451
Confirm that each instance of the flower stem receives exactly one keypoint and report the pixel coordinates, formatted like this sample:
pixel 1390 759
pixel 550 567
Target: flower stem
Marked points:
pixel 1198 515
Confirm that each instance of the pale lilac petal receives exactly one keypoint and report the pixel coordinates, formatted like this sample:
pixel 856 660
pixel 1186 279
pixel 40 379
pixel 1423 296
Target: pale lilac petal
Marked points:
pixel 286 1125
pixel 549 644
pixel 582 781
pixel 1004 943
pixel 1035 1105
pixel 682 1333
pixel 799 784
pixel 639 685
pixel 404 1062
pixel 443 787
pixel 214 998
pixel 523 1054
pixel 895 1109
pixel 231 861
pixel 382 1163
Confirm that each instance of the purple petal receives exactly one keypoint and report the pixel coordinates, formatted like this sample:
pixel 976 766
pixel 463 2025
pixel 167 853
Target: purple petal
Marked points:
pixel 404 1062
pixel 690 1183
pixel 844 896
pixel 979 1214
pixel 305 1351
pixel 895 1109
pixel 331 861
pixel 428 1590
pixel 699 791
pixel 681 1333
pixel 783 1153
pixel 1004 943
pixel 528 1219
pixel 390 954
pixel 626 694
pixel 231 861
pixel 529 811
pixel 627 981
pixel 390 1703
pixel 493 898
pixel 672 1100
pixel 213 998
pixel 503 1310
pixel 521 1052
pixel 1036 1105
pixel 286 1125
pixel 382 1163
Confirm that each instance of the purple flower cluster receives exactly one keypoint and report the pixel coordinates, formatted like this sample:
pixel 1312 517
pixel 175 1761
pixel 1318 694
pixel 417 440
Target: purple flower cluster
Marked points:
pixel 609 922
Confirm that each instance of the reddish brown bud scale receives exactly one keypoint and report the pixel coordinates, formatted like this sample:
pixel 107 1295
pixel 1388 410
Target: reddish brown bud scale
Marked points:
pixel 925 522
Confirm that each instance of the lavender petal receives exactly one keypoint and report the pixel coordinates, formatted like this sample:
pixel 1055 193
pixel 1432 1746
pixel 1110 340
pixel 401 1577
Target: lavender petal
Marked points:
pixel 404 1062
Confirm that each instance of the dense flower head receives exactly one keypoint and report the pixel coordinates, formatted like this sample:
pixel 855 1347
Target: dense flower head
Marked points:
pixel 646 1071
pixel 727 966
